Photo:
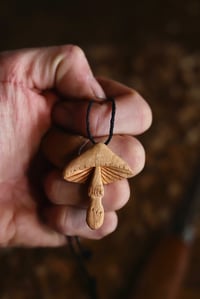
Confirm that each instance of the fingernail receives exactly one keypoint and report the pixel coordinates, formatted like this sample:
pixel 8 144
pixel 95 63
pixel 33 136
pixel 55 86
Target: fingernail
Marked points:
pixel 97 89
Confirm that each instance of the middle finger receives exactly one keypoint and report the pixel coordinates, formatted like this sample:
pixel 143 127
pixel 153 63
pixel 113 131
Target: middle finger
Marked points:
pixel 130 115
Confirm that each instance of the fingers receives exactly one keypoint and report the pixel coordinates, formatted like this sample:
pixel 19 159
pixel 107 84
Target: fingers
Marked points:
pixel 61 192
pixel 71 221
pixel 68 147
pixel 64 68
pixel 133 115
pixel 67 214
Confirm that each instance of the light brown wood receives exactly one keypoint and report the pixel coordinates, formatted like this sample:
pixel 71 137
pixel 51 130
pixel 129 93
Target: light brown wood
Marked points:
pixel 95 213
pixel 102 166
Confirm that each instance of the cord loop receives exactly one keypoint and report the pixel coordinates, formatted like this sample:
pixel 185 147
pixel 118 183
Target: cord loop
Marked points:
pixel 112 120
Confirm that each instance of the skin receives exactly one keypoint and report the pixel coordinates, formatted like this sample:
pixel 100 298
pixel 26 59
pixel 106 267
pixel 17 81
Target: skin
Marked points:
pixel 41 211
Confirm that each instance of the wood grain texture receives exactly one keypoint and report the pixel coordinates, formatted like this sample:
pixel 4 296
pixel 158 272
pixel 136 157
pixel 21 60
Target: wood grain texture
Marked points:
pixel 100 165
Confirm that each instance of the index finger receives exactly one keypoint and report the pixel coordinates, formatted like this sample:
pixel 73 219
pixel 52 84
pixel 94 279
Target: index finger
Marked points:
pixel 133 114
pixel 61 68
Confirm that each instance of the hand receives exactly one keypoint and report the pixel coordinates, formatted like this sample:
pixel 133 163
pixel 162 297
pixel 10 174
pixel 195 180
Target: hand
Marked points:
pixel 31 83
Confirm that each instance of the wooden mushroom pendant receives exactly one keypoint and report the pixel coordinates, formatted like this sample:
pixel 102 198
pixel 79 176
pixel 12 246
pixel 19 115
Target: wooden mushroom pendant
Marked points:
pixel 101 166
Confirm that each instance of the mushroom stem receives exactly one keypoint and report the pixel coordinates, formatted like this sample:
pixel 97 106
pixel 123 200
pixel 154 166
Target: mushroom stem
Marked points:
pixel 95 212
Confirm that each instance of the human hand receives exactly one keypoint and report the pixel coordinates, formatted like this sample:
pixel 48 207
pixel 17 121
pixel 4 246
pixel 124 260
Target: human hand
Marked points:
pixel 32 81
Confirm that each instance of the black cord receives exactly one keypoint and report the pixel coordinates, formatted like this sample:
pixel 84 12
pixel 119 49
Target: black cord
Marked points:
pixel 112 121
pixel 80 254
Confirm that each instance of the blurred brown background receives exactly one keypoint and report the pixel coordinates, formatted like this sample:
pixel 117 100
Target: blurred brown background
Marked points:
pixel 154 47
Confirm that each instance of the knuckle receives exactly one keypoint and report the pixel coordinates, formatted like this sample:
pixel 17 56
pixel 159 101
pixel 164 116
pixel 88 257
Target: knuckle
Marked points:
pixel 75 51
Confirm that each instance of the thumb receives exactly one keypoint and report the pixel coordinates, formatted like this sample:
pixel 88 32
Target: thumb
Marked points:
pixel 64 68
pixel 74 76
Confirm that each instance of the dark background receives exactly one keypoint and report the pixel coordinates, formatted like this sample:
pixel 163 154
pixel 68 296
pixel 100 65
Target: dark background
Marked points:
pixel 128 23
pixel 154 47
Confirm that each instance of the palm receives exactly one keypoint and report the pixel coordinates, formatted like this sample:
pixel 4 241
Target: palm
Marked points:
pixel 25 116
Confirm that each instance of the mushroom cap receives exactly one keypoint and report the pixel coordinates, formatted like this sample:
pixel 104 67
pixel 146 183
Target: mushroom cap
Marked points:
pixel 113 168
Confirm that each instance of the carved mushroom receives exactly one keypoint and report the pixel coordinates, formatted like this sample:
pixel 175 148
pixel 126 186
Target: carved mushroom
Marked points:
pixel 101 166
